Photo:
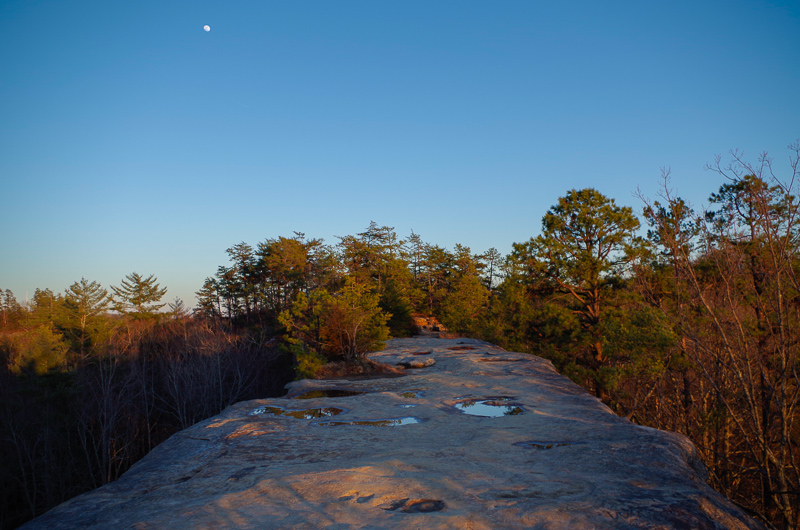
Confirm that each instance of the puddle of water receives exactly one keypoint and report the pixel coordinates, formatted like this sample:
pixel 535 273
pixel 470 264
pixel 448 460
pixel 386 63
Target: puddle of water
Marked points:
pixel 539 445
pixel 422 352
pixel 392 422
pixel 412 394
pixel 461 348
pixel 488 408
pixel 329 393
pixel 307 414
pixel 498 360
pixel 413 506
pixel 423 506
pixel 406 406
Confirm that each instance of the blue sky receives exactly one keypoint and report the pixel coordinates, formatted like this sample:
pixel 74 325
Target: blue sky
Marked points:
pixel 133 140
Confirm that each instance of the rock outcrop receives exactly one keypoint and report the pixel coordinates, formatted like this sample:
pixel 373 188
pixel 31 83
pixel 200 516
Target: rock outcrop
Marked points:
pixel 479 439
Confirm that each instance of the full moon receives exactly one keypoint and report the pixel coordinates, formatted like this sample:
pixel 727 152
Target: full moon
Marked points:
pixel 207 27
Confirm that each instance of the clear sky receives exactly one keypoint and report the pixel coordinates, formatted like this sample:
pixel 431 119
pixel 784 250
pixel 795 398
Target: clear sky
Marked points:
pixel 133 140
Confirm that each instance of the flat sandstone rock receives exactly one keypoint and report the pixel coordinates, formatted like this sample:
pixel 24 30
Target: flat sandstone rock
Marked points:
pixel 482 439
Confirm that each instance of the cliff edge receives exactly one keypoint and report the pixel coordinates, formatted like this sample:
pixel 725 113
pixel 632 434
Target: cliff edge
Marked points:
pixel 473 437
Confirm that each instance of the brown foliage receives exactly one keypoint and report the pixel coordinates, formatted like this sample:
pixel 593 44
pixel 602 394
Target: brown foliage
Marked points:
pixel 65 432
pixel 729 286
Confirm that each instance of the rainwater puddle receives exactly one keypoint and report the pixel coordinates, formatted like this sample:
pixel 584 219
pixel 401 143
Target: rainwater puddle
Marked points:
pixel 328 393
pixel 539 445
pixel 306 414
pixel 392 422
pixel 413 506
pixel 461 348
pixel 489 408
pixel 412 394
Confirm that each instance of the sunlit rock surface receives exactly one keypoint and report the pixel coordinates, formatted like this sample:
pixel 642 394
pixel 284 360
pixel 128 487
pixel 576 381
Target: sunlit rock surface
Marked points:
pixel 481 439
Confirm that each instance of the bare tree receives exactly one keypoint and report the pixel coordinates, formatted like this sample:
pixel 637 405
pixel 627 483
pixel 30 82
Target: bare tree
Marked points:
pixel 732 295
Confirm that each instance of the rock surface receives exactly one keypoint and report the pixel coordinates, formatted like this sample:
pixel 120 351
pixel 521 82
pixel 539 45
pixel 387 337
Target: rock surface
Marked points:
pixel 482 439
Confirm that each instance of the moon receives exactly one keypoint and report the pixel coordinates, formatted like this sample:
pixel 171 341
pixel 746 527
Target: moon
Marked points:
pixel 207 28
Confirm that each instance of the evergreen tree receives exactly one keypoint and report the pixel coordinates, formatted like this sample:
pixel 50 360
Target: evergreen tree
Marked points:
pixel 177 309
pixel 85 306
pixel 42 350
pixel 344 325
pixel 229 290
pixel 283 268
pixel 436 275
pixel 240 275
pixel 46 308
pixel 375 258
pixel 208 303
pixel 491 258
pixel 587 244
pixel 138 296
pixel 302 324
pixel 413 253
pixel 11 312
pixel 463 306
pixel 354 322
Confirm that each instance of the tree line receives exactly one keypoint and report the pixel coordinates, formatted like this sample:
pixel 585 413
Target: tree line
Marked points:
pixel 688 322
pixel 338 302
pixel 92 380
pixel 692 325
pixel 678 319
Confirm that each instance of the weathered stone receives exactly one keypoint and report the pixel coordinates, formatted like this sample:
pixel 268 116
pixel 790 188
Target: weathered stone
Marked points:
pixel 416 363
pixel 564 460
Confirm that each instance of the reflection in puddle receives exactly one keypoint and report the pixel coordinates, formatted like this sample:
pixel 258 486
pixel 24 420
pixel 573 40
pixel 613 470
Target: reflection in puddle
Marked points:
pixel 413 506
pixel 539 445
pixel 412 394
pixel 392 422
pixel 488 408
pixel 328 393
pixel 307 414
pixel 407 406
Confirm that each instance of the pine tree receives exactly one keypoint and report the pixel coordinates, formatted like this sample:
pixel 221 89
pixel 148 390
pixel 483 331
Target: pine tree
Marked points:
pixel 45 308
pixel 354 322
pixel 85 306
pixel 11 312
pixel 138 297
pixel 463 305
pixel 587 243
pixel 240 275
pixel 177 308
pixel 208 302
pixel 491 258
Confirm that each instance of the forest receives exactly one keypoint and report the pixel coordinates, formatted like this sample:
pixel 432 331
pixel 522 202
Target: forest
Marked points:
pixel 680 319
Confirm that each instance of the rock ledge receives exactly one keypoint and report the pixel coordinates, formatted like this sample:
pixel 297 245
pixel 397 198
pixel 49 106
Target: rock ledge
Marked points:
pixel 479 439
